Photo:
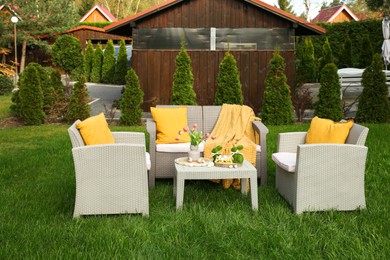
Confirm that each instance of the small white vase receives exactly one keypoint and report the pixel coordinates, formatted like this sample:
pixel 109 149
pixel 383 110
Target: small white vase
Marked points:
pixel 194 152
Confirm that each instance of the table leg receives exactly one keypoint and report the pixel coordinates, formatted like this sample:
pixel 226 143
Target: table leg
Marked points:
pixel 179 192
pixel 254 193
pixel 174 184
pixel 243 182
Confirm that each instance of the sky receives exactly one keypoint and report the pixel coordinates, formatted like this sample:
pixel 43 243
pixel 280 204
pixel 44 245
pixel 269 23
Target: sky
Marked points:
pixel 299 7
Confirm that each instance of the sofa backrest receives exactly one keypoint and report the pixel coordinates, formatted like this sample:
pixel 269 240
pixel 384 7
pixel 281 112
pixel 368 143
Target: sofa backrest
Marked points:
pixel 357 135
pixel 75 136
pixel 194 114
pixel 210 117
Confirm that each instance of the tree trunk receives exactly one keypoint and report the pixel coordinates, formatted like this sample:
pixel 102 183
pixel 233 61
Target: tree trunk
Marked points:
pixel 23 58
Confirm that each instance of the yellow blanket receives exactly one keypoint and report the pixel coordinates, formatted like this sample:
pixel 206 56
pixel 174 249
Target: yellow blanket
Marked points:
pixel 234 127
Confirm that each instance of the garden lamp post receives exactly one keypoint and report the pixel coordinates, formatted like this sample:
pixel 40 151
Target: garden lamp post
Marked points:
pixel 15 19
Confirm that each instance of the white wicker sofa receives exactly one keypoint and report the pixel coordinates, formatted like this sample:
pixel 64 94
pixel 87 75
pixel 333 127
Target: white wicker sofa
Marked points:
pixel 162 156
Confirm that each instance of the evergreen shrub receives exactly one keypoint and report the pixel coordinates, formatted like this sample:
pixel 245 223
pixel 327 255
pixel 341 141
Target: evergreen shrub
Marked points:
pixel 365 57
pixel 228 89
pixel 121 65
pixel 277 106
pixel 345 60
pixel 108 66
pixel 183 80
pixel 327 55
pixel 373 104
pixel 67 53
pixel 329 103
pixel 88 60
pixel 6 84
pixel 78 106
pixel 97 61
pixel 132 98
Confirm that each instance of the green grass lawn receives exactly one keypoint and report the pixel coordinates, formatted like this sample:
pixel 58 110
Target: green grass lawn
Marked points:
pixel 5 102
pixel 37 191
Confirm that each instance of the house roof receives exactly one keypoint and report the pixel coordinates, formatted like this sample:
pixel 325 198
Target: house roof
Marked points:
pixel 109 16
pixel 328 14
pixel 11 10
pixel 85 27
pixel 302 25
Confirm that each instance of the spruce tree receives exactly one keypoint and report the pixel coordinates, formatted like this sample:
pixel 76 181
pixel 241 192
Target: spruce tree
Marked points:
pixel 132 98
pixel 97 61
pixel 366 54
pixel 88 58
pixel 31 96
pixel 47 89
pixel 67 53
pixel 327 55
pixel 305 65
pixel 121 65
pixel 277 107
pixel 183 80
pixel 108 67
pixel 346 54
pixel 78 107
pixel 329 103
pixel 228 82
pixel 374 104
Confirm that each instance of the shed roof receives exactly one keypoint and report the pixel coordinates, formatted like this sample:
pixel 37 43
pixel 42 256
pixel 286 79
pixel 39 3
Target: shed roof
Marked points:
pixel 328 14
pixel 109 16
pixel 303 27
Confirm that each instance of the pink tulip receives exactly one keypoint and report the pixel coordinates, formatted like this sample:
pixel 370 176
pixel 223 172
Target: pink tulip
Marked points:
pixel 213 137
pixel 180 132
pixel 195 125
pixel 192 129
pixel 185 129
pixel 201 137
pixel 177 138
pixel 207 135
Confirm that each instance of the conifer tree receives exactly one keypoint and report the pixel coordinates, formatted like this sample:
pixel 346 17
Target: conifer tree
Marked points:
pixel 67 53
pixel 228 89
pixel 366 54
pixel 374 104
pixel 97 61
pixel 329 103
pixel 327 55
pixel 305 62
pixel 46 86
pixel 277 107
pixel 346 54
pixel 108 67
pixel 183 80
pixel 132 98
pixel 88 58
pixel 121 65
pixel 78 107
pixel 31 96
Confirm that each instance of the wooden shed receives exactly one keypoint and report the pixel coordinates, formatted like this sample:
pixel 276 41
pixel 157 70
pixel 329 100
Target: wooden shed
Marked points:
pixel 252 29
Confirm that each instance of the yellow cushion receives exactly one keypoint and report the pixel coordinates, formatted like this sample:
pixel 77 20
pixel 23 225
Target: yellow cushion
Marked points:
pixel 168 123
pixel 326 131
pixel 94 130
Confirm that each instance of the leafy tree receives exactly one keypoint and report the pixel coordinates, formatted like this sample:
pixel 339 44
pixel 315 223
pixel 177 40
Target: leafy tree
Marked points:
pixel 329 103
pixel 365 58
pixel 78 107
pixel 285 5
pixel 379 5
pixel 88 58
pixel 327 55
pixel 31 96
pixel 121 65
pixel 41 18
pixel 277 106
pixel 183 80
pixel 228 82
pixel 346 54
pixel 374 105
pixel 132 98
pixel 67 53
pixel 108 67
pixel 97 61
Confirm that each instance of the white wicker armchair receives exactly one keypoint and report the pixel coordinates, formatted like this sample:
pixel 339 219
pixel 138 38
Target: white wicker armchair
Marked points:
pixel 315 177
pixel 112 178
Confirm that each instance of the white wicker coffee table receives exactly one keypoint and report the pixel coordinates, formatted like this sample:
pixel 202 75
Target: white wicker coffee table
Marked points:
pixel 245 172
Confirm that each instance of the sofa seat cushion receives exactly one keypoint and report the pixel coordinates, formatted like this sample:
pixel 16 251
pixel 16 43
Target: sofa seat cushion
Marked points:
pixel 184 147
pixel 286 161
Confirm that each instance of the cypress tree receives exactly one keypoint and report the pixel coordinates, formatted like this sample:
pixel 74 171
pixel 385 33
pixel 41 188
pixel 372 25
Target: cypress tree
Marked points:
pixel 67 53
pixel 88 58
pixel 121 65
pixel 329 103
pixel 346 54
pixel 78 107
pixel 132 98
pixel 97 61
pixel 228 82
pixel 31 96
pixel 47 89
pixel 183 80
pixel 366 53
pixel 277 106
pixel 327 55
pixel 305 62
pixel 108 67
pixel 374 104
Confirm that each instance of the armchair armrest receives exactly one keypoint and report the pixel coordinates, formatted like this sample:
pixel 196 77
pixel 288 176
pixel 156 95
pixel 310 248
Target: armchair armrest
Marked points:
pixel 129 137
pixel 262 130
pixel 288 142
pixel 151 129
